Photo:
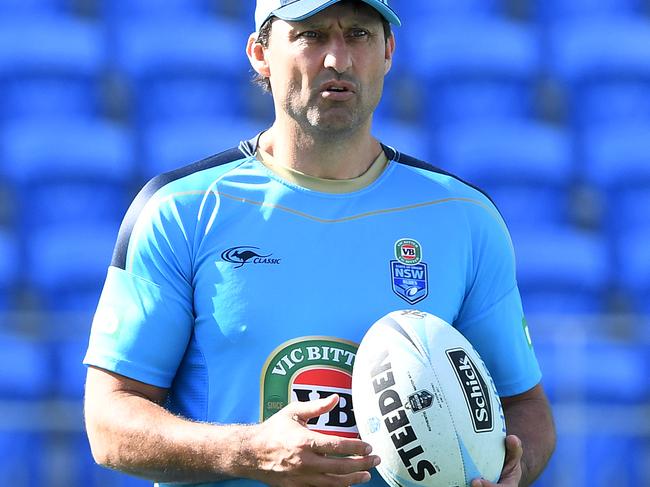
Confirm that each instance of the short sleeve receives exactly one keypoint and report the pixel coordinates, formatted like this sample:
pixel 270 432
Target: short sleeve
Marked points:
pixel 492 316
pixel 144 319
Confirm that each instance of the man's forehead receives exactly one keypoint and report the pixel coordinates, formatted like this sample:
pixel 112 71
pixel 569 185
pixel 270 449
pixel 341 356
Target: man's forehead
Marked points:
pixel 353 12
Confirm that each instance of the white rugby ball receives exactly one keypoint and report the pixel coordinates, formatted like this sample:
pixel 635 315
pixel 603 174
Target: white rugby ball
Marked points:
pixel 425 401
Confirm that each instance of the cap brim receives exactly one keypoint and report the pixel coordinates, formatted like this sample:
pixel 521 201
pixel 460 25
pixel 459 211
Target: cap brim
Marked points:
pixel 306 8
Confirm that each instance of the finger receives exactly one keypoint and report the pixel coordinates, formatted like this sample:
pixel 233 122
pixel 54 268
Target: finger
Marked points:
pixel 345 465
pixel 329 480
pixel 304 411
pixel 512 469
pixel 514 451
pixel 342 447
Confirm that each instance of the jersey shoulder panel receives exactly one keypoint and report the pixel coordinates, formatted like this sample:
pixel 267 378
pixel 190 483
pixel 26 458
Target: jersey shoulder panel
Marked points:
pixel 406 160
pixel 224 160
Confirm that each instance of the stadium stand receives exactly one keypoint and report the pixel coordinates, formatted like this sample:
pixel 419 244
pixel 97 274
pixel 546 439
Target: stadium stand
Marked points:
pixel 525 166
pixel 167 146
pixel 115 11
pixel 408 138
pixel 9 265
pixel 633 256
pixel 478 68
pixel 66 264
pixel 604 66
pixel 562 271
pixel 22 7
pixel 617 162
pixel 432 9
pixel 182 67
pixel 50 66
pixel 68 170
pixel 554 10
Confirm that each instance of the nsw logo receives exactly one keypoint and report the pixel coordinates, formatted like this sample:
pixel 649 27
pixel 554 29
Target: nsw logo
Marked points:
pixel 419 401
pixel 410 282
pixel 247 255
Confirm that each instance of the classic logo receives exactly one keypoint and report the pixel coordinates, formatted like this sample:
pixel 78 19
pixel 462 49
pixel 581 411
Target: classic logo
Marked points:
pixel 474 388
pixel 247 255
pixel 312 368
pixel 408 251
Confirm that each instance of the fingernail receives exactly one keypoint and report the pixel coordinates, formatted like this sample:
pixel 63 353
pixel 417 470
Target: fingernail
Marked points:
pixel 376 461
pixel 368 450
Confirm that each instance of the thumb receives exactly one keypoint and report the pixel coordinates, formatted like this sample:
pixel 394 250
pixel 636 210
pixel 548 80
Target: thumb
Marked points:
pixel 304 411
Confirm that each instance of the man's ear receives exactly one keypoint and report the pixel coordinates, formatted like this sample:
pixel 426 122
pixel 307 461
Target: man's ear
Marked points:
pixel 390 50
pixel 257 56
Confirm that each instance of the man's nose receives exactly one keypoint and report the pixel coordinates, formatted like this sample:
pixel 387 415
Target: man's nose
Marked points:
pixel 338 56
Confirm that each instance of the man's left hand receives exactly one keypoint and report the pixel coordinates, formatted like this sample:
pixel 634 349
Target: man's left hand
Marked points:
pixel 511 474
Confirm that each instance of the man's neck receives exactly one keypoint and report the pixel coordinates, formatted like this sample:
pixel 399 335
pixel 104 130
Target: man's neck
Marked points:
pixel 331 157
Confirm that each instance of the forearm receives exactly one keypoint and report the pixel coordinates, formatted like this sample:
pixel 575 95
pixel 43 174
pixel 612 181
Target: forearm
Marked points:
pixel 532 422
pixel 139 437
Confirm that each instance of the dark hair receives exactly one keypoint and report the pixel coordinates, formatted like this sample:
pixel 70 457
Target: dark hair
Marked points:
pixel 265 34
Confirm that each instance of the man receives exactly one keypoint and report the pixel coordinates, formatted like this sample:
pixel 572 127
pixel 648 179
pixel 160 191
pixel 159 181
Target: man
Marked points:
pixel 223 343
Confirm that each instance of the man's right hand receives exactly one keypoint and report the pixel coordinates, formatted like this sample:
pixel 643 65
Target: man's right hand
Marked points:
pixel 284 452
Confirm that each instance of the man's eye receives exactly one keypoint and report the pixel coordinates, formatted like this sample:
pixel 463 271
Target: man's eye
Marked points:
pixel 309 34
pixel 359 33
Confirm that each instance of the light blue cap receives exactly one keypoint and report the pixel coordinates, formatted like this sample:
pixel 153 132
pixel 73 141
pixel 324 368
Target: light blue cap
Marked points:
pixel 301 9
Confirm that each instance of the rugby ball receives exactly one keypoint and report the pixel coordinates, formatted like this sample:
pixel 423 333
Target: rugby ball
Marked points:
pixel 425 401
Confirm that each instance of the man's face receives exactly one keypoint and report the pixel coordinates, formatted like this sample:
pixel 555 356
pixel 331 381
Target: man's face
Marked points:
pixel 327 72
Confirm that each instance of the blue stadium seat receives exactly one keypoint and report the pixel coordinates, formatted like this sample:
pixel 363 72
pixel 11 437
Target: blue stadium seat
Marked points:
pixel 556 10
pixel 562 271
pixel 594 370
pixel 85 472
pixel 9 267
pixel 617 163
pixel 75 170
pixel 475 68
pixel 406 138
pixel 50 66
pixel 23 461
pixel 183 68
pixel 633 260
pixel 604 66
pixel 118 10
pixel 410 10
pixel 525 166
pixel 25 367
pixel 171 145
pixel 68 367
pixel 610 103
pixel 66 264
pixel 30 7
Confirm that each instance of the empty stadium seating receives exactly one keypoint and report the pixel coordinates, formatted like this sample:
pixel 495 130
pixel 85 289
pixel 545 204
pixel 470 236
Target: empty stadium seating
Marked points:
pixel 50 66
pixel 478 68
pixel 182 68
pixel 604 66
pixel 68 170
pixel 168 146
pixel 526 167
pixel 562 271
pixel 9 266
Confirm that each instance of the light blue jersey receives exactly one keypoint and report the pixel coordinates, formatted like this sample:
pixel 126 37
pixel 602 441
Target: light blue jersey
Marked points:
pixel 240 291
